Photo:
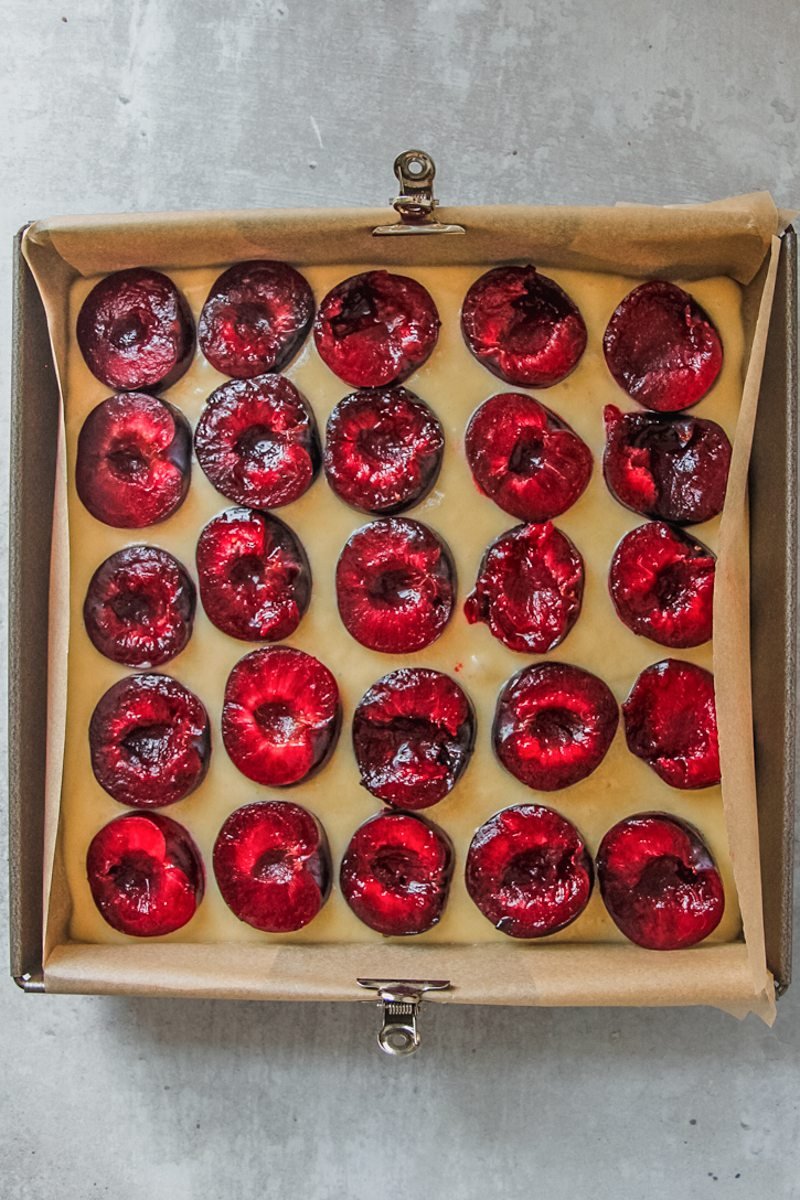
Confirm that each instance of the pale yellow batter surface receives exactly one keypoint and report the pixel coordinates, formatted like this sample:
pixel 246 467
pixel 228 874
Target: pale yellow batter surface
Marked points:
pixel 453 384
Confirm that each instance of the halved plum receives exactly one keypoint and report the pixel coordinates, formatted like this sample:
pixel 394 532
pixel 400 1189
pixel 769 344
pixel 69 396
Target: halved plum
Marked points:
pixel 150 741
pixel 553 725
pixel 256 316
pixel 134 460
pixel 675 469
pixel 139 607
pixel 525 458
pixel 662 584
pixel 396 873
pixel 659 882
pixel 671 722
pixel 273 865
pixel 383 449
pixel 413 733
pixel 135 330
pixel 395 585
pixel 523 327
pixel 255 581
pixel 374 329
pixel 146 874
pixel 529 872
pixel 662 348
pixel 257 441
pixel 281 715
pixel 529 588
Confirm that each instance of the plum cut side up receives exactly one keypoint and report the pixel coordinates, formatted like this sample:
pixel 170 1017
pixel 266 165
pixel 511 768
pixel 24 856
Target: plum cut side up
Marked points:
pixel 525 458
pixel 413 734
pixel 529 588
pixel 523 327
pixel 395 585
pixel 376 328
pixel 659 882
pixel 661 582
pixel 145 874
pixel 553 725
pixel 396 872
pixel 671 723
pixel 662 348
pixel 255 581
pixel 668 468
pixel 139 607
pixel 135 331
pixel 529 872
pixel 150 741
pixel 257 442
pixel 281 715
pixel 273 865
pixel 383 450
pixel 133 464
pixel 255 318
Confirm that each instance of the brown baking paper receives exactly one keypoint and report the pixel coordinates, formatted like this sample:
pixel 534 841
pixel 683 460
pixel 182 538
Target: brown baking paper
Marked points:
pixel 734 238
pixel 734 235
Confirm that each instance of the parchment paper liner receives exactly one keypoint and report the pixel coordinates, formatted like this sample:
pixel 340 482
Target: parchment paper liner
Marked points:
pixel 736 237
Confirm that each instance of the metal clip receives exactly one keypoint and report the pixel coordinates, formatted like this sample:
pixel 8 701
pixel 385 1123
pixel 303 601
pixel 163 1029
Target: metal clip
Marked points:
pixel 415 171
pixel 400 1000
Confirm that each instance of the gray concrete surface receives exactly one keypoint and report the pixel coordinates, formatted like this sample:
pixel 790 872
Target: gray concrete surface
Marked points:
pixel 196 103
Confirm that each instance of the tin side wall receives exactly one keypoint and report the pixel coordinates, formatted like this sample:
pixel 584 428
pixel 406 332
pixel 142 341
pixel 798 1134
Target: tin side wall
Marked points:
pixel 34 424
pixel 773 560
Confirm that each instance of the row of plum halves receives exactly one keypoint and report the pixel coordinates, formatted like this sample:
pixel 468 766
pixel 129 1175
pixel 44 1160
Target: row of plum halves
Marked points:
pixel 413 731
pixel 135 330
pixel 395 588
pixel 527 870
pixel 257 442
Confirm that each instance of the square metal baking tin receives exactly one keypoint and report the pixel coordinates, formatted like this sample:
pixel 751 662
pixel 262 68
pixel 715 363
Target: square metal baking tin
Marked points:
pixel 773 498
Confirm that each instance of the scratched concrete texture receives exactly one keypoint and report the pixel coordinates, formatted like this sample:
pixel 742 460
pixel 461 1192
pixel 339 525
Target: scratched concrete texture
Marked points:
pixel 196 104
